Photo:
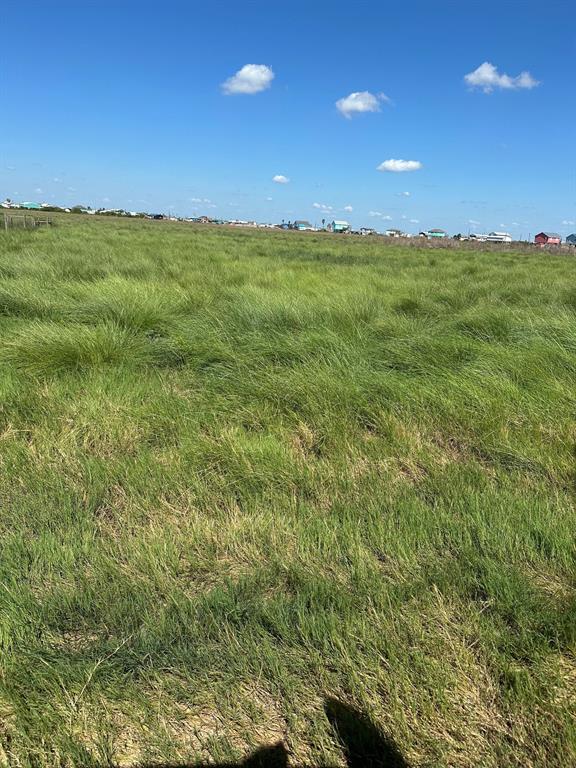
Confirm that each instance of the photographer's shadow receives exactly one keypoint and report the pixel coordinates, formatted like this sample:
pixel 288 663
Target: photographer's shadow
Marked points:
pixel 363 745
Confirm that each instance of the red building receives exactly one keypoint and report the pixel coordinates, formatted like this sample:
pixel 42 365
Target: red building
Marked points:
pixel 548 238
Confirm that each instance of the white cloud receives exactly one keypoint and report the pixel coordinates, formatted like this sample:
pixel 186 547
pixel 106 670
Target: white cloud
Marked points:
pixel 348 208
pixel 568 223
pixel 322 207
pixel 380 215
pixel 71 189
pixel 360 101
pixel 105 199
pixel 38 190
pixel 487 78
pixel 252 78
pixel 269 199
pixel 279 179
pixel 56 180
pixel 473 222
pixel 403 194
pixel 400 166
pixel 414 221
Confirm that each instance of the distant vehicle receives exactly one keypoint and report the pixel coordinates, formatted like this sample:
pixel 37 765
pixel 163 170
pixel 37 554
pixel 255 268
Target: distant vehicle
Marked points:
pixel 158 216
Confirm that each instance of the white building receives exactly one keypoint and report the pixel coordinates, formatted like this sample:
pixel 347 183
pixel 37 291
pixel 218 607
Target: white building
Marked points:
pixel 498 237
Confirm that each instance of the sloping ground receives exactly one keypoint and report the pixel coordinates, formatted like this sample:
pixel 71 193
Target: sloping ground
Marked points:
pixel 244 473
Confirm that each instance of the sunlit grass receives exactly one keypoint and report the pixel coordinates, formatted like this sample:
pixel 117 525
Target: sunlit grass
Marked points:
pixel 240 472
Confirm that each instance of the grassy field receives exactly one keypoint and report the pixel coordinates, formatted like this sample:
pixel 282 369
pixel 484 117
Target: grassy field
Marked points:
pixel 243 472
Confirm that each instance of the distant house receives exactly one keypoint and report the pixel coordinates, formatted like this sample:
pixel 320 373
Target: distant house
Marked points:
pixel 436 233
pixel 571 240
pixel 31 206
pixel 548 238
pixel 475 236
pixel 303 226
pixel 367 231
pixel 340 226
pixel 498 237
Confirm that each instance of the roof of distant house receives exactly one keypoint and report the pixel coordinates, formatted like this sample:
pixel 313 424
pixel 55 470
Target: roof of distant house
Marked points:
pixel 549 234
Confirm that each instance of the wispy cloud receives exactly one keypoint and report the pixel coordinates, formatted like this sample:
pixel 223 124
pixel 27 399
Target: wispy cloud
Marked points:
pixel 473 222
pixel 251 78
pixel 380 215
pixel 414 221
pixel 487 78
pixel 568 223
pixel 403 194
pixel 269 199
pixel 200 200
pixel 322 207
pixel 38 191
pixel 348 208
pixel 400 166
pixel 280 179
pixel 360 101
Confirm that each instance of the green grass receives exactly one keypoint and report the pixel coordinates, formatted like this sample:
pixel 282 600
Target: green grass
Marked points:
pixel 241 472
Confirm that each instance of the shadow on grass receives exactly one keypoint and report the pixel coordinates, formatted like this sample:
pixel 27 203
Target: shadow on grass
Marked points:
pixel 363 745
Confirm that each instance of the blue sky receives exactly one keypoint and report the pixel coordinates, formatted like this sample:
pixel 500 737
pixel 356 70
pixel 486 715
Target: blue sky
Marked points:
pixel 120 104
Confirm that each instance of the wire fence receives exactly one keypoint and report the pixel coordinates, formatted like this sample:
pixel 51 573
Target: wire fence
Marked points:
pixel 24 221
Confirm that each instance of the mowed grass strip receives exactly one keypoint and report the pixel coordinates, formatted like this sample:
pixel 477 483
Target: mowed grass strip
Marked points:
pixel 242 472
